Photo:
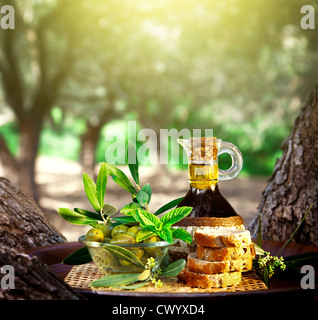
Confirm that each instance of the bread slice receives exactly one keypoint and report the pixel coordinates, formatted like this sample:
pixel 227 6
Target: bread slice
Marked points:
pixel 217 280
pixel 220 238
pixel 226 253
pixel 195 264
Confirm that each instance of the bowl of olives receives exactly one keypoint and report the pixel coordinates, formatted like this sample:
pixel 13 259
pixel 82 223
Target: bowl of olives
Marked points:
pixel 115 250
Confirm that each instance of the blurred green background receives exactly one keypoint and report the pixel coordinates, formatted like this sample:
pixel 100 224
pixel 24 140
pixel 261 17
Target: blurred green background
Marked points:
pixel 73 69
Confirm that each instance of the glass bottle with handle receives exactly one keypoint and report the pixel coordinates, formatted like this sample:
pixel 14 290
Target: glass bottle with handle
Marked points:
pixel 204 173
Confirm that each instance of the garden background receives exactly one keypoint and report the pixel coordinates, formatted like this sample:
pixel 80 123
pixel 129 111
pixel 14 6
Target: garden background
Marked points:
pixel 73 70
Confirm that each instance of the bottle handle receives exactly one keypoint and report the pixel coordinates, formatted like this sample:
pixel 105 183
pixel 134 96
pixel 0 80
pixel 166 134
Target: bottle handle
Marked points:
pixel 237 160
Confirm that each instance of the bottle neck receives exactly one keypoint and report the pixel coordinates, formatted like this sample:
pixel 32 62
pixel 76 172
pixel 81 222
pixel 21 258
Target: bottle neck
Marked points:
pixel 203 176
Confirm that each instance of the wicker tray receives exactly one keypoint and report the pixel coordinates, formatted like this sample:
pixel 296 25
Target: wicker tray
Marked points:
pixel 81 276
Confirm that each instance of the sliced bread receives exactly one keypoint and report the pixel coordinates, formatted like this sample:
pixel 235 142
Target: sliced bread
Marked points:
pixel 195 264
pixel 217 280
pixel 226 253
pixel 220 238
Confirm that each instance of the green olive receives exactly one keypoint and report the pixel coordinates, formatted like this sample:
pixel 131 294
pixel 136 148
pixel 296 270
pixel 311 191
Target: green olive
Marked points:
pixel 106 229
pixel 138 252
pixel 151 251
pixel 133 231
pixel 144 258
pixel 119 229
pixel 122 238
pixel 151 239
pixel 95 234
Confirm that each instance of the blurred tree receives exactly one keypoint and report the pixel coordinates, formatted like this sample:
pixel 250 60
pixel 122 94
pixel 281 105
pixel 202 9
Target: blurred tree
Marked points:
pixel 35 59
pixel 234 66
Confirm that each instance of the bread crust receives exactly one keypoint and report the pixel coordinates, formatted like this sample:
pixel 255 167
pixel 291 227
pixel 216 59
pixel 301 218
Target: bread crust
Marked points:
pixel 195 264
pixel 217 280
pixel 234 221
pixel 221 238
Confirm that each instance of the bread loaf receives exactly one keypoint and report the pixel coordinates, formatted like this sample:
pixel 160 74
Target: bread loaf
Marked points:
pixel 195 264
pixel 217 280
pixel 221 256
pixel 221 238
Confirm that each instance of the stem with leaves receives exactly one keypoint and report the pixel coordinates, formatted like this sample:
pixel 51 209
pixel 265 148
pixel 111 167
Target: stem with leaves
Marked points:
pixel 266 266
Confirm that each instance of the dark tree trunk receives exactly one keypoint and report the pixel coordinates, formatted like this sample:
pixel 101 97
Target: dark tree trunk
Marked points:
pixel 32 279
pixel 22 224
pixel 293 186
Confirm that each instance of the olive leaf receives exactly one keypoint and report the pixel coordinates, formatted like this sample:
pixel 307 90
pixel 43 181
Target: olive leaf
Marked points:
pixel 144 275
pixel 124 220
pixel 75 217
pixel 101 183
pixel 291 237
pixel 147 189
pixel 90 190
pixel 168 206
pixel 258 250
pixel 79 256
pixel 133 162
pixel 259 232
pixel 120 178
pixel 124 254
pixel 303 258
pixel 265 276
pixel 109 210
pixel 143 198
pixel 133 286
pixel 89 214
pixel 116 280
pixel 173 269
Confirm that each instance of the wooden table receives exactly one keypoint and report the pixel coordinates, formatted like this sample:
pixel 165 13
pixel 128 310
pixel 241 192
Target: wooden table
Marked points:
pixel 54 254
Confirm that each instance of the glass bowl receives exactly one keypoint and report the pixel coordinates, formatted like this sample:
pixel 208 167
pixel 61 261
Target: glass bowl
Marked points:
pixel 121 258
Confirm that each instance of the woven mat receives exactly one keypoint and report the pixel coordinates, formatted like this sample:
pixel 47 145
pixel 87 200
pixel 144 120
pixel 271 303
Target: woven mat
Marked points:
pixel 81 276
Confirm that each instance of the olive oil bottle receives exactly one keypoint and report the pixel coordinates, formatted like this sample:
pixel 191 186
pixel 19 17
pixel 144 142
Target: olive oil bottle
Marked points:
pixel 204 195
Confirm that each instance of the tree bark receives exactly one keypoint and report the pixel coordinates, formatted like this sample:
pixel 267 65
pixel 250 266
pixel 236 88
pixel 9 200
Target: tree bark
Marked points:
pixel 22 224
pixel 32 279
pixel 293 187
pixel 8 161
